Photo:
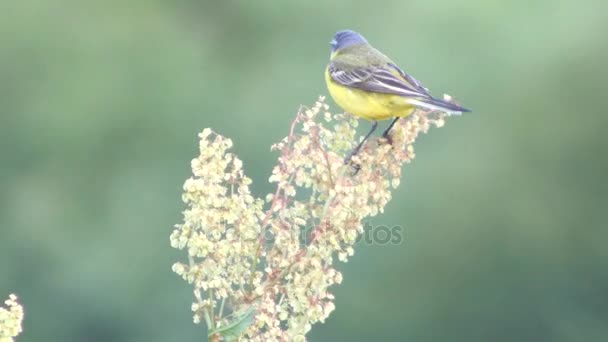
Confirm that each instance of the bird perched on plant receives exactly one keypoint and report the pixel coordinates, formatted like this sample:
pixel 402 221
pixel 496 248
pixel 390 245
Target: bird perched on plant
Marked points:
pixel 368 84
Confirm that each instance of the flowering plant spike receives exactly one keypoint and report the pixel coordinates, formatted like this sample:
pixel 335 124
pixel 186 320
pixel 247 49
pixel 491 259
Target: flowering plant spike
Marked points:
pixel 261 269
pixel 11 318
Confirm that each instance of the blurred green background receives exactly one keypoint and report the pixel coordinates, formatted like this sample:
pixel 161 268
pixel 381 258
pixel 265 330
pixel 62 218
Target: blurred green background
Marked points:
pixel 504 209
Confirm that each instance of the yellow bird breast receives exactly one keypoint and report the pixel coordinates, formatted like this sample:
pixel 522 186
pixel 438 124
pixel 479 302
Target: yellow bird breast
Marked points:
pixel 366 104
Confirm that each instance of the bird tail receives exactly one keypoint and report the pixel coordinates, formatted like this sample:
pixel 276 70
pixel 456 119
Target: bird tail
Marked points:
pixel 437 104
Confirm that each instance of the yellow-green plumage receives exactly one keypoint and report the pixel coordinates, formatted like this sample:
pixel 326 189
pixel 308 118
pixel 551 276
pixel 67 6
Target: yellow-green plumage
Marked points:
pixel 363 103
pixel 366 104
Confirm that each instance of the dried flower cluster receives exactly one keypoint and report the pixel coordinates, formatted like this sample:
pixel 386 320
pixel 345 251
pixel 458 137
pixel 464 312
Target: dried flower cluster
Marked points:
pixel 10 319
pixel 261 269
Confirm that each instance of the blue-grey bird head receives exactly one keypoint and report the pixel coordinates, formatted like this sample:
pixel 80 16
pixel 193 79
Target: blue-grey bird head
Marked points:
pixel 346 38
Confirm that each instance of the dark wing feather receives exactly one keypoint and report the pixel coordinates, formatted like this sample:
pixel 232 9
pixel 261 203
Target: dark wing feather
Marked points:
pixel 380 79
pixel 414 82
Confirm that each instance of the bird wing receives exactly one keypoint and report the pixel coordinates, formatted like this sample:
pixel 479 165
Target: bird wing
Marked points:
pixel 387 78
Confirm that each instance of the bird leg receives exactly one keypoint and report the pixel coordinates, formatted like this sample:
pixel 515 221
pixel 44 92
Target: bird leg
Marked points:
pixel 386 132
pixel 356 149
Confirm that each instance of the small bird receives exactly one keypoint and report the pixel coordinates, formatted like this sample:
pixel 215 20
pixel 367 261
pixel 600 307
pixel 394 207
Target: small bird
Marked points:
pixel 368 84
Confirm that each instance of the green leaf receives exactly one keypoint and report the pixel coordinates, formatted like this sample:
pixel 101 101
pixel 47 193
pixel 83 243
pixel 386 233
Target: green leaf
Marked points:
pixel 236 327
